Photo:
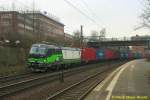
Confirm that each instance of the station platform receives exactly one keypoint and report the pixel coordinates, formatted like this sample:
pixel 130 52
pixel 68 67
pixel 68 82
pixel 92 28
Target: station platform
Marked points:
pixel 130 81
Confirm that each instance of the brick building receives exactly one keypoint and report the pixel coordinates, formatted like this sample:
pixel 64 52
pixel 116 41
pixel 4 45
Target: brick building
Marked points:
pixel 29 23
pixel 45 24
pixel 14 22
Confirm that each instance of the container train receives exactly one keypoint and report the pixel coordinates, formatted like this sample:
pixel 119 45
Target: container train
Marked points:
pixel 44 56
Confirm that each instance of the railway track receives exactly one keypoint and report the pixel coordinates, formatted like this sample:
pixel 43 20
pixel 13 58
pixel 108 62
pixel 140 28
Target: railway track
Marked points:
pixel 12 77
pixel 80 89
pixel 7 88
pixel 21 85
pixel 18 78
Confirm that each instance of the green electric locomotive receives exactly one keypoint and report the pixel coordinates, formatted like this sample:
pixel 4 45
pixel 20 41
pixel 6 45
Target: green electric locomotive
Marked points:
pixel 43 56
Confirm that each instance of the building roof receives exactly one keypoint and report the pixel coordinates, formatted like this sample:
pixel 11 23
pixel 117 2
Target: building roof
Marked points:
pixel 36 12
pixel 9 12
pixel 46 16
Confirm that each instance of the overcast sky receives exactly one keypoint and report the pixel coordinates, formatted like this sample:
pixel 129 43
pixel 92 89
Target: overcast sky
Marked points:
pixel 119 17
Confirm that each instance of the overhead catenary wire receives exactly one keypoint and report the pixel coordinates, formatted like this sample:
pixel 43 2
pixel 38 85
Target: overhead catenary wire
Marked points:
pixel 88 8
pixel 81 5
pixel 24 6
pixel 81 12
pixel 94 15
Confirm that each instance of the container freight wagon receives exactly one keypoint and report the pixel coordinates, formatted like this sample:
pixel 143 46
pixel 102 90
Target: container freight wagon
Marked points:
pixel 139 52
pixel 109 54
pixel 99 54
pixel 138 55
pixel 131 55
pixel 116 54
pixel 124 54
pixel 88 55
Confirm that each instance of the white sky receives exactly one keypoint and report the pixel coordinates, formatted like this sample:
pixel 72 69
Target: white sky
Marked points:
pixel 119 17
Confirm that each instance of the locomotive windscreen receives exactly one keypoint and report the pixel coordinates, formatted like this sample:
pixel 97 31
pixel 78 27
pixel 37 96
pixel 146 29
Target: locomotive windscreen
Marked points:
pixel 38 50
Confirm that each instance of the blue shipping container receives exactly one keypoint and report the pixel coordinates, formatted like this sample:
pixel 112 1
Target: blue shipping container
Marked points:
pixel 137 55
pixel 124 55
pixel 99 54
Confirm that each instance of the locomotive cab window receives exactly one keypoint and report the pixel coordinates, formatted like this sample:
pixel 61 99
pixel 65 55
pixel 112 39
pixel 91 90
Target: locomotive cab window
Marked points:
pixel 38 50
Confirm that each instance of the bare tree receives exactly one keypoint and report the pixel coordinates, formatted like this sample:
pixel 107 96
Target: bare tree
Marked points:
pixel 145 16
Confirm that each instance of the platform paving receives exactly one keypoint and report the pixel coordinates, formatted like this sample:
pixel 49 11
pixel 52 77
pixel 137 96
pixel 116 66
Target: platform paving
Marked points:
pixel 130 81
